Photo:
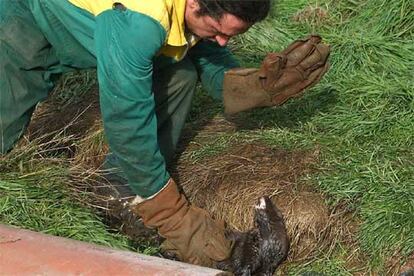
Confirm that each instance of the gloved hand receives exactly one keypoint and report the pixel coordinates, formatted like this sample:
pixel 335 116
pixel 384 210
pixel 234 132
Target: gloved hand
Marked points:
pixel 281 76
pixel 191 234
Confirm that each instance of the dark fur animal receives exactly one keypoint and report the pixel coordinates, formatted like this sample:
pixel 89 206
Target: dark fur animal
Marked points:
pixel 260 250
pixel 409 272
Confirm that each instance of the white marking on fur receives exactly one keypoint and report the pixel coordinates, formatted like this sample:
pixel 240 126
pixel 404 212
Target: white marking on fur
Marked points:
pixel 262 204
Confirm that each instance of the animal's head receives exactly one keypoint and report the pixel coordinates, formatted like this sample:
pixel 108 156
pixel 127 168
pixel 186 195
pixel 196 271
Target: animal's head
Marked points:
pixel 266 214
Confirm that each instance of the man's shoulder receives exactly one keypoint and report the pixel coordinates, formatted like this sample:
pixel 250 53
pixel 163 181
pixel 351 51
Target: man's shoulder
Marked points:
pixel 159 10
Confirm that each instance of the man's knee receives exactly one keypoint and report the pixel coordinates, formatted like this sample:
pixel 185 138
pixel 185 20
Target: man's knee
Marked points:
pixel 187 76
pixel 178 78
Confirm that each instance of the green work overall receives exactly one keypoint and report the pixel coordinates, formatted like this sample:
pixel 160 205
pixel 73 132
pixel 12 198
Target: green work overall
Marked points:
pixel 147 72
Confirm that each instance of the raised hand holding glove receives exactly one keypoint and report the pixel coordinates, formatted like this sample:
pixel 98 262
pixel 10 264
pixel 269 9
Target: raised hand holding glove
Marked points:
pixel 191 234
pixel 281 76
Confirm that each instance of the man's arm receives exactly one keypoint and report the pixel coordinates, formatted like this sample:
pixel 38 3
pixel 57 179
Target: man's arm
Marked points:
pixel 126 42
pixel 282 75
pixel 211 61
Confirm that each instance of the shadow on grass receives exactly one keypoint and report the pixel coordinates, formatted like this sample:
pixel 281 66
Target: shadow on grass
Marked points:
pixel 290 115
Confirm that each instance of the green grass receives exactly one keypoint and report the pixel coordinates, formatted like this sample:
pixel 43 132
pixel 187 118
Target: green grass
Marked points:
pixel 326 265
pixel 40 201
pixel 75 84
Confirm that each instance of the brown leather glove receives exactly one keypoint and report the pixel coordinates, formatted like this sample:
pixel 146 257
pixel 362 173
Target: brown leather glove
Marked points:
pixel 191 234
pixel 281 76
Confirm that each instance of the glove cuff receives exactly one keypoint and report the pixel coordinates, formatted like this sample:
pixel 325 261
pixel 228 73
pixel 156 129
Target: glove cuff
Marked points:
pixel 242 90
pixel 138 199
pixel 164 210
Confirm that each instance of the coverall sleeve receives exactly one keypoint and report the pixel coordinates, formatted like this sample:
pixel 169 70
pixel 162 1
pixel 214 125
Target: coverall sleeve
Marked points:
pixel 126 42
pixel 211 61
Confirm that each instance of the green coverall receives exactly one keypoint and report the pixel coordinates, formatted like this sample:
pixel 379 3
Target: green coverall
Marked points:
pixel 144 95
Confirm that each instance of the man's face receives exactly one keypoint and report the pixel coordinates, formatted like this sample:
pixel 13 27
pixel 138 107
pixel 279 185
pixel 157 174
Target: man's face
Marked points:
pixel 209 28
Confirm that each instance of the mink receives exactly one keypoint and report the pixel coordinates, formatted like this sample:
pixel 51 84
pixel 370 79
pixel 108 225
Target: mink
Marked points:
pixel 262 249
pixel 409 272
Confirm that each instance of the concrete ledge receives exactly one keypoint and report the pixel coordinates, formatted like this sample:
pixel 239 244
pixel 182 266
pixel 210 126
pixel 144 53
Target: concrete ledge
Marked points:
pixel 24 252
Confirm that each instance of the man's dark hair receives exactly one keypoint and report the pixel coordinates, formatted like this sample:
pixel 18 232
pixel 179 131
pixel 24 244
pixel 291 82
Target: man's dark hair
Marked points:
pixel 250 11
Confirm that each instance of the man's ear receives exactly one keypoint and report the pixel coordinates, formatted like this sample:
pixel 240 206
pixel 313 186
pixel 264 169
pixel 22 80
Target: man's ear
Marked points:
pixel 193 5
